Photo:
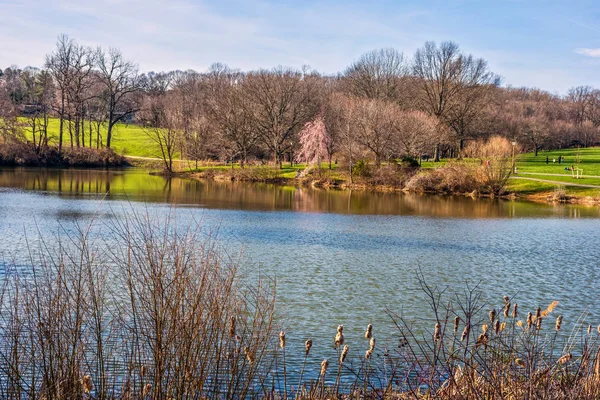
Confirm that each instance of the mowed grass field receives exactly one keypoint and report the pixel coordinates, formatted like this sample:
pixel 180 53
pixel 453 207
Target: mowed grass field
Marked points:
pixel 128 140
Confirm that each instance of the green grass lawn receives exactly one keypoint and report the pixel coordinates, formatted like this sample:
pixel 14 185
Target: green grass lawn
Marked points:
pixel 128 140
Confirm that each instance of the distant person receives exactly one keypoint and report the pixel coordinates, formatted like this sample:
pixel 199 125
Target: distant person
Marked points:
pixel 559 159
pixel 547 160
pixel 554 160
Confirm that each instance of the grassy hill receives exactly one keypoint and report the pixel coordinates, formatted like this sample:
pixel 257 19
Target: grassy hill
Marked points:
pixel 128 140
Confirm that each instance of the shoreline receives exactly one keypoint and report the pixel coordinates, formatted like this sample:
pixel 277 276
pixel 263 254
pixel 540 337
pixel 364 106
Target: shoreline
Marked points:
pixel 545 197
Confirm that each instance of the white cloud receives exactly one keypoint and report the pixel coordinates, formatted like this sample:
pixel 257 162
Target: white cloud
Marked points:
pixel 588 52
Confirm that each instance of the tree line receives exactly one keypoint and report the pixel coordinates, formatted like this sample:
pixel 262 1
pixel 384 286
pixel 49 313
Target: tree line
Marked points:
pixel 384 106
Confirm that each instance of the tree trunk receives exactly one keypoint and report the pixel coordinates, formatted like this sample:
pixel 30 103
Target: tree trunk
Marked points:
pixel 60 131
pixel 436 153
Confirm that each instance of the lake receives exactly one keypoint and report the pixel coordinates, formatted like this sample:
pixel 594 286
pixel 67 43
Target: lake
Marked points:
pixel 340 257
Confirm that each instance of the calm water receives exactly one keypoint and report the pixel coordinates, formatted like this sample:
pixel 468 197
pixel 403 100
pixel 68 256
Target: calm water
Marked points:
pixel 339 257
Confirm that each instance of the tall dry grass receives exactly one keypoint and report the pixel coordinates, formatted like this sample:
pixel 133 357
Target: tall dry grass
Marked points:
pixel 153 313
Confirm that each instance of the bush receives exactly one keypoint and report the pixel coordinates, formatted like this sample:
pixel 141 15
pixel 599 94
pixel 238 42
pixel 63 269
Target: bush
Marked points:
pixel 22 153
pixel 361 169
pixel 451 178
pixel 388 175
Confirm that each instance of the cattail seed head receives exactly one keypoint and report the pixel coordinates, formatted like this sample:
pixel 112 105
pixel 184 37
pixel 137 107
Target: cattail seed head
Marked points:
pixel 143 371
pixel 249 355
pixel 340 328
pixel 506 299
pixel 598 328
pixel 456 322
pixel 492 315
pixel 344 354
pixel 232 326
pixel 437 334
pixel 506 310
pixel 529 320
pixel 515 312
pixel 324 366
pixel 520 362
pixel 339 339
pixel 484 328
pixel 538 313
pixel 369 332
pixel 87 385
pixel 307 346
pixel 146 389
pixel 565 359
pixel 372 344
pixel 497 326
pixel 558 322
pixel 465 333
pixel 589 329
pixel 482 340
pixel 282 339
pixel 368 354
pixel 538 324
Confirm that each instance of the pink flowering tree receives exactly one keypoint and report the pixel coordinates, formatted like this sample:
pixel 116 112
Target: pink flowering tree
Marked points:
pixel 315 142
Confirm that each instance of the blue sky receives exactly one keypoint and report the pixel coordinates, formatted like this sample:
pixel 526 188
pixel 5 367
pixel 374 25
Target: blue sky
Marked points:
pixel 553 45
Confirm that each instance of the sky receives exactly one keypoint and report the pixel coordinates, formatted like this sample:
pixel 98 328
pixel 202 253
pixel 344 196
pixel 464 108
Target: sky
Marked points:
pixel 551 45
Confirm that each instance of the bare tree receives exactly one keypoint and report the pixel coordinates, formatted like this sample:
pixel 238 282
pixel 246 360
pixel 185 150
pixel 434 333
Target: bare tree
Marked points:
pixel 376 127
pixel 283 100
pixel 121 83
pixel 59 65
pixel 377 74
pixel 453 87
pixel 163 125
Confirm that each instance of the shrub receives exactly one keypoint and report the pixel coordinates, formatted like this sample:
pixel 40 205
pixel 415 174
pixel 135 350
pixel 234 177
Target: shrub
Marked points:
pixel 22 153
pixel 361 169
pixel 451 178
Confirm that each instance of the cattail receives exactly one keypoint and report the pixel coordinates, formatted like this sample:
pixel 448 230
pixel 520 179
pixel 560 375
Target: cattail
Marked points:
pixel 456 322
pixel 249 355
pixel 529 320
pixel 515 312
pixel 558 322
pixel 538 324
pixel 143 371
pixel 589 329
pixel 307 346
pixel 497 326
pixel 86 382
pixel 369 332
pixel 324 365
pixel 368 354
pixel 437 334
pixel 597 365
pixel 484 328
pixel 506 310
pixel 492 315
pixel 232 326
pixel 339 337
pixel 506 299
pixel 282 339
pixel 465 333
pixel 482 340
pixel 146 390
pixel 538 313
pixel 598 328
pixel 565 359
pixel 520 362
pixel 372 344
pixel 344 354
